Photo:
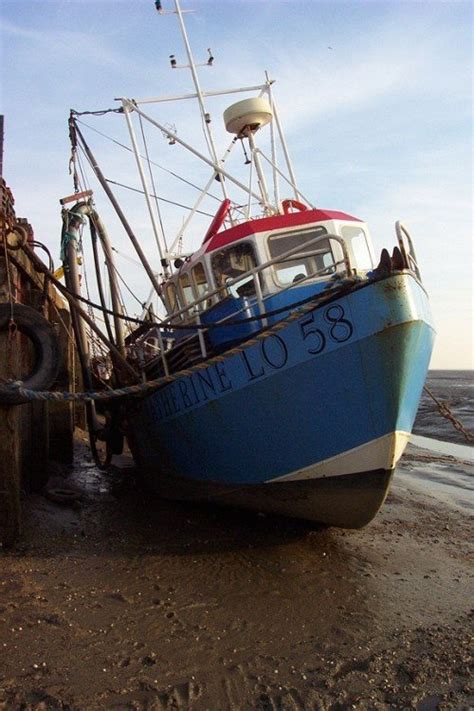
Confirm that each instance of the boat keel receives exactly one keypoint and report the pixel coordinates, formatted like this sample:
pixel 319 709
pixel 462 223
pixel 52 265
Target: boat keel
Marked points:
pixel 348 501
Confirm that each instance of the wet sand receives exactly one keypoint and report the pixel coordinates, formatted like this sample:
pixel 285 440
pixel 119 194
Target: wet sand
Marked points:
pixel 124 601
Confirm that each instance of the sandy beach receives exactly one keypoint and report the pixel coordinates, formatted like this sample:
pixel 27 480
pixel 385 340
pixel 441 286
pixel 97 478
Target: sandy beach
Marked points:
pixel 124 601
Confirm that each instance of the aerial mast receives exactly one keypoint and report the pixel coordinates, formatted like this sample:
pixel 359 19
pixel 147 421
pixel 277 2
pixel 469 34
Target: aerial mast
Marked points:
pixel 205 116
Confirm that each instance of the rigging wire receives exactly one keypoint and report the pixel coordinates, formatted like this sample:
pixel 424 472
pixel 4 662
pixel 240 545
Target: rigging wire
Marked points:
pixel 157 165
pixel 238 208
pixel 145 145
pixel 162 249
pixel 83 183
pixel 86 281
pixel 127 287
pixel 120 295
pixel 98 275
pixel 170 202
pixel 323 297
pixel 135 262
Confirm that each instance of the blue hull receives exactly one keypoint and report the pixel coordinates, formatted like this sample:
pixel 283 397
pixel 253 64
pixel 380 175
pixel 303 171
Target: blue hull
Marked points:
pixel 312 408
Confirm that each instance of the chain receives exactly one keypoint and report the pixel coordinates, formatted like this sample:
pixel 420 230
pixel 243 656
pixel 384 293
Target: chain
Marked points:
pixel 446 412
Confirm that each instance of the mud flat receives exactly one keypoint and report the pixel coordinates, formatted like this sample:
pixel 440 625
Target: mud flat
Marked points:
pixel 125 602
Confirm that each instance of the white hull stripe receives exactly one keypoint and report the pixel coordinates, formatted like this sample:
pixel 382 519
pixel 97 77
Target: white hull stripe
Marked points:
pixel 381 453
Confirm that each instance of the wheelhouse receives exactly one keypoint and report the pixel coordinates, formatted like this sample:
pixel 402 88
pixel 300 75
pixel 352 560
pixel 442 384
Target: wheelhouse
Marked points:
pixel 261 258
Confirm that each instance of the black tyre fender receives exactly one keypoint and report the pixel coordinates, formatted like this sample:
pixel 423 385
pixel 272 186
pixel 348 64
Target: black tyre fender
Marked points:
pixel 46 349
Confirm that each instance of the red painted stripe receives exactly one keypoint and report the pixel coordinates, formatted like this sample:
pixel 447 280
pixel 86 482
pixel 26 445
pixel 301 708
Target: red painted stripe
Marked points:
pixel 274 223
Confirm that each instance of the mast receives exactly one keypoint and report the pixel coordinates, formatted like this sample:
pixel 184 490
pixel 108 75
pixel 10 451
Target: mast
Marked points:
pixel 159 236
pixel 266 194
pixel 204 114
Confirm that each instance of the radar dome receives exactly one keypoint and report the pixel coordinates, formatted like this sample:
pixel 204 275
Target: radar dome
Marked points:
pixel 250 114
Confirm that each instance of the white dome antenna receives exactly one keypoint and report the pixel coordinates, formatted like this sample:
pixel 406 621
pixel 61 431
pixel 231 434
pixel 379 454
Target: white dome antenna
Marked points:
pixel 247 115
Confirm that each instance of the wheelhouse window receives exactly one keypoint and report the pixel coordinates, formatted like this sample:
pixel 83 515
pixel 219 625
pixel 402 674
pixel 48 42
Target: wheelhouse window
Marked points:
pixel 201 285
pixel 357 241
pixel 319 261
pixel 228 264
pixel 186 288
pixel 171 297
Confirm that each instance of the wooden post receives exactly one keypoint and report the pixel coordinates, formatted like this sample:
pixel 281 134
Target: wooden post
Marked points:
pixel 10 462
pixel 34 433
pixel 61 414
pixel 10 476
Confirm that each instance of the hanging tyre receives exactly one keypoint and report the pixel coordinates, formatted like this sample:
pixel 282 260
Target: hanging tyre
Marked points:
pixel 43 338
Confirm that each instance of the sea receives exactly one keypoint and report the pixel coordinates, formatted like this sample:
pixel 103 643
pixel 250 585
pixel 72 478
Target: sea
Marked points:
pixel 440 460
pixel 454 388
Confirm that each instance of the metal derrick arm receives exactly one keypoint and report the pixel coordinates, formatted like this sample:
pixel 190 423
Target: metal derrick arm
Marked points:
pixel 116 206
pixel 260 194
pixel 269 201
pixel 129 106
pixel 217 92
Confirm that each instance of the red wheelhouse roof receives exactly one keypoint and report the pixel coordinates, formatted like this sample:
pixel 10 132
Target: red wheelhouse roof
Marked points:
pixel 275 222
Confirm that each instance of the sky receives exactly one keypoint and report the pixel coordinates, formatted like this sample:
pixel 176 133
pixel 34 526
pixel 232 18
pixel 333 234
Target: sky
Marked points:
pixel 375 97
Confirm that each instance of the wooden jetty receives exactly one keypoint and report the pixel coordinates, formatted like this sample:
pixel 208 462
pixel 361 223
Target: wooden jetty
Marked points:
pixel 34 433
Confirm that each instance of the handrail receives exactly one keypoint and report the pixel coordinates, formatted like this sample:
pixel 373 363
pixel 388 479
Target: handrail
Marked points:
pixel 261 267
pixel 245 307
pixel 260 299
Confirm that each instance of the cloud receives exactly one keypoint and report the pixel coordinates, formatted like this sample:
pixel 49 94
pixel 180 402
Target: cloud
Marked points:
pixel 402 56
pixel 71 48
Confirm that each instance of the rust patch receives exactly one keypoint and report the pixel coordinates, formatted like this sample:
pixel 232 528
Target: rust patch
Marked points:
pixel 393 285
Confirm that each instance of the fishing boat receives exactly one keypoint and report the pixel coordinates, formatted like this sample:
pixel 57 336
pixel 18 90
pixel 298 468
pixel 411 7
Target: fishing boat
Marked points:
pixel 285 372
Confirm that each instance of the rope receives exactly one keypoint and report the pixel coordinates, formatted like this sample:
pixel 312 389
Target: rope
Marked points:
pixel 152 385
pixel 446 412
pixel 334 291
pixel 102 112
pixel 42 246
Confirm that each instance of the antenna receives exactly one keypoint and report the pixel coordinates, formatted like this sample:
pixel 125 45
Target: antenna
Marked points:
pixel 243 119
pixel 191 65
pixel 208 63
